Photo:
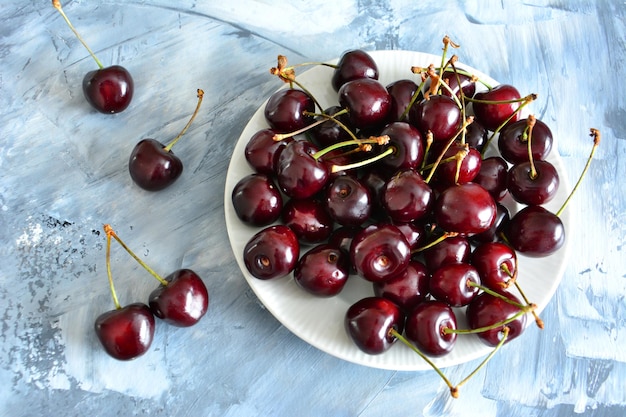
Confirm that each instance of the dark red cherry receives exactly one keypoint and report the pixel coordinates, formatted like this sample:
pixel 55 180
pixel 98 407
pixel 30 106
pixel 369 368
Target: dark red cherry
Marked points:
pixel 450 284
pixel 458 172
pixel 457 82
pixel 406 289
pixel 401 92
pixel 298 174
pixel 414 233
pixel 466 208
pixel 426 326
pixel 496 264
pixel 331 132
pixel 262 151
pixel 452 250
pixel 152 166
pixel 183 301
pixel 476 135
pixel 322 271
pixel 375 182
pixel 353 65
pixel 369 322
pixel 308 219
pixel 494 110
pixel 535 231
pixel 348 201
pixel 285 111
pixel 367 101
pixel 127 332
pixel 487 310
pixel 528 189
pixel 272 252
pixel 407 144
pixel 110 89
pixel 256 200
pixel 493 234
pixel 438 114
pixel 513 141
pixel 492 176
pixel 407 197
pixel 379 252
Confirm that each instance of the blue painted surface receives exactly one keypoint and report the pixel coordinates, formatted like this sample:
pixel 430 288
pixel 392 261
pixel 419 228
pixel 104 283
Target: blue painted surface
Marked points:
pixel 63 174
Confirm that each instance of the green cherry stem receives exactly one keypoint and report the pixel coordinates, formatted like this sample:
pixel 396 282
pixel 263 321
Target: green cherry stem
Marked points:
pixel 193 116
pixel 110 275
pixel 374 140
pixel 323 118
pixel 440 239
pixel 57 5
pixel 514 317
pixel 111 234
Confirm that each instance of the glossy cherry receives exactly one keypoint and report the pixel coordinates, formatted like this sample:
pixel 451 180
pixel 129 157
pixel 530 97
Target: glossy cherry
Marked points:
pixel 487 310
pixel 126 332
pixel 492 176
pixel 256 200
pixel 466 208
pixel 463 167
pixel 407 197
pixel 438 114
pixel 367 101
pixel 496 106
pixel 535 231
pixel 493 234
pixel 299 174
pixel 287 110
pixel 183 301
pixel 458 81
pixel 348 201
pixel 406 289
pixel 322 271
pixel 352 65
pixel 379 251
pixel 408 146
pixel 272 252
pixel 496 263
pixel 426 327
pixel 308 219
pixel 369 322
pixel 331 132
pixel 262 151
pixel 513 141
pixel 451 284
pixel 533 183
pixel 452 250
pixel 401 92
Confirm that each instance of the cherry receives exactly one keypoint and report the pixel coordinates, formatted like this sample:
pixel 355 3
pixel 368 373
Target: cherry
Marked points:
pixel 401 92
pixel 348 201
pixel 451 284
pixel 463 167
pixel 493 233
pixel 183 301
pixel 299 175
pixel 407 144
pixel 414 233
pixel 330 132
pixel 476 135
pixel 466 208
pixel 256 200
pixel 535 231
pixel 492 176
pixel 494 107
pixel 107 89
pixel 487 310
pixel 262 151
pixel 322 271
pixel 438 114
pixel 407 197
pixel 352 65
pixel 152 165
pixel 496 263
pixel 126 332
pixel 457 82
pixel 406 289
pixel 308 220
pixel 379 252
pixel 375 182
pixel 367 101
pixel 369 323
pixel 452 250
pixel 426 324
pixel 513 141
pixel 534 183
pixel 272 252
pixel 288 109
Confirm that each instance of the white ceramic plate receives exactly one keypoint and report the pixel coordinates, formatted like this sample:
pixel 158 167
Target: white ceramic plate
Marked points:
pixel 319 321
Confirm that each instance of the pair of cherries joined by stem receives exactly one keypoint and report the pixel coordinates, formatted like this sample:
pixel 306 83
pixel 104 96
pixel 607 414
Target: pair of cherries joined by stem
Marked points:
pixel 126 332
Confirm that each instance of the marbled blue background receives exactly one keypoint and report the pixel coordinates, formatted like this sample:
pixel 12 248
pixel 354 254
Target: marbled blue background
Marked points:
pixel 63 174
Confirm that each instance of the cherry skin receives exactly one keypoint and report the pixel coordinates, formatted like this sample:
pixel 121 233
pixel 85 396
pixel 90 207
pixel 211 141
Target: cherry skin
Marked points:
pixel 308 220
pixel 152 167
pixel 256 200
pixel 369 322
pixel 452 172
pixel 272 252
pixel 408 147
pixel 378 252
pixel 330 132
pixel 513 141
pixel 535 190
pixel 285 110
pixel 450 284
pixel 109 90
pixel 466 208
pixel 127 332
pixel 492 176
pixel 467 84
pixel 322 271
pixel 406 289
pixel 425 328
pixel 414 233
pixel 353 65
pixel 407 197
pixel 299 175
pixel 183 301
pixel 401 92
pixel 492 115
pixel 493 234
pixel 348 201
pixel 368 103
pixel 496 264
pixel 476 135
pixel 452 250
pixel 262 151
pixel 438 114
pixel 535 232
pixel 486 310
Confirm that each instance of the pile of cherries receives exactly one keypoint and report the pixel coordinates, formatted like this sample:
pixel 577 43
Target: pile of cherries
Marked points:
pixel 399 185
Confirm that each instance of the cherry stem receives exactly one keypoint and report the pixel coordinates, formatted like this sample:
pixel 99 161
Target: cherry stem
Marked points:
pixel 513 275
pixel 496 294
pixel 514 317
pixel 193 116
pixel 538 320
pixel 110 275
pixel 111 233
pixel 530 124
pixel 595 134
pixel 324 118
pixel 375 140
pixel 466 123
pixel 57 5
pixel 435 242
pixel 525 101
pixel 338 168
pixel 415 96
